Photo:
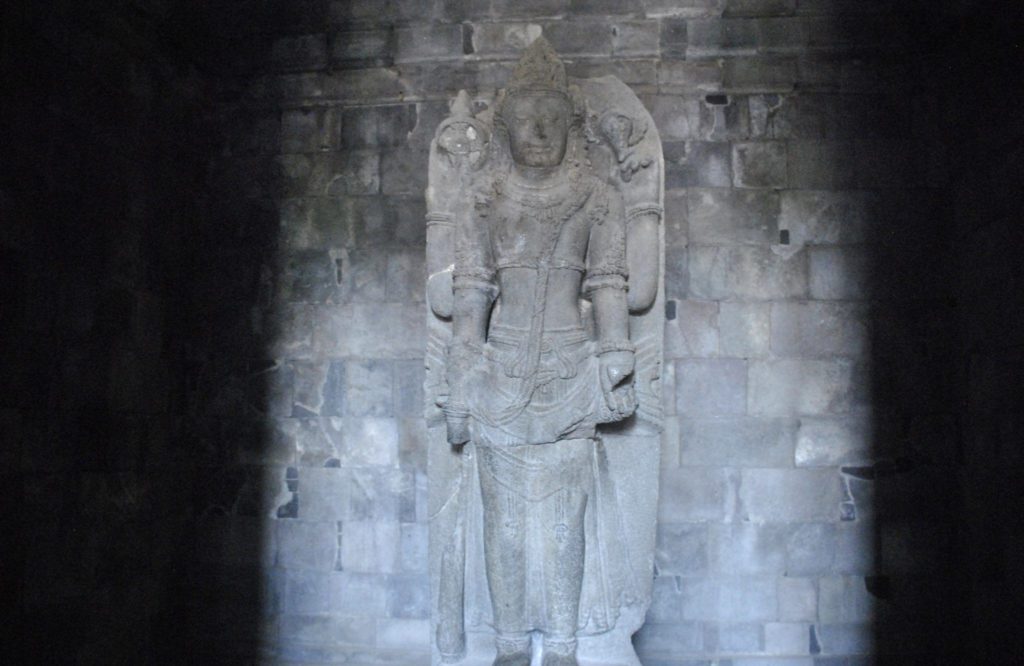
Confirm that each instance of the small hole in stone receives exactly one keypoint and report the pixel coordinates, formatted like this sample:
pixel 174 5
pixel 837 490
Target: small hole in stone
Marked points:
pixel 615 31
pixel 339 273
pixel 784 236
pixel 670 310
pixel 717 99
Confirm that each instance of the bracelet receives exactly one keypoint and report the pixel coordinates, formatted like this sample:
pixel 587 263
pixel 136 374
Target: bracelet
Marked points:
pixel 639 211
pixel 455 412
pixel 606 346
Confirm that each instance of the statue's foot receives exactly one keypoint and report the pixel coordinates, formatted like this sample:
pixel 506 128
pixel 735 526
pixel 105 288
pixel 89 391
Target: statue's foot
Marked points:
pixel 522 658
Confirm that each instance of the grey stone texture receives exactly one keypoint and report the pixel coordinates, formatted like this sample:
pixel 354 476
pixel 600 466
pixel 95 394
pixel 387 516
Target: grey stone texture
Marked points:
pixel 561 534
pixel 251 354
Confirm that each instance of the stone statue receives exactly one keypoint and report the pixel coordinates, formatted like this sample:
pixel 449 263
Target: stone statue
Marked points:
pixel 543 369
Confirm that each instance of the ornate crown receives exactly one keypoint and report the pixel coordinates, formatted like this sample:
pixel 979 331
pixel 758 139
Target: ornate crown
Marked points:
pixel 539 71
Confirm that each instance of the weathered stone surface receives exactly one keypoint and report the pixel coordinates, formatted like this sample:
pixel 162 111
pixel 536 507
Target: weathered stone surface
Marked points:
pixel 674 638
pixel 840 274
pixel 687 76
pixel 711 387
pixel 798 599
pixel 718 216
pixel 744 329
pixel 682 550
pixel 759 164
pixel 541 508
pixel 731 599
pixel 827 442
pixel 736 441
pixel 428 42
pixel 740 549
pixel 788 495
pixel 694 331
pixel 814 329
pixel 747 273
pixel 844 599
pixel 697 164
pixel 787 638
pixel 802 387
pixel 821 217
pixel 811 549
pixel 306 545
pixel 733 636
pixel 693 495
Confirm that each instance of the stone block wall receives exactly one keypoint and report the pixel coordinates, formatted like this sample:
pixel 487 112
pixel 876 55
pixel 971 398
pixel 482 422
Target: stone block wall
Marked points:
pixel 212 275
pixel 803 164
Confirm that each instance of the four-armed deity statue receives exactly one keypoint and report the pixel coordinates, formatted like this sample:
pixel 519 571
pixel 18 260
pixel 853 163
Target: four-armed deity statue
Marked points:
pixel 544 251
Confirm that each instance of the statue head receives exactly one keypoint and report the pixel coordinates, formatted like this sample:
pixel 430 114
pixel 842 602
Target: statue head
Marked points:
pixel 538 109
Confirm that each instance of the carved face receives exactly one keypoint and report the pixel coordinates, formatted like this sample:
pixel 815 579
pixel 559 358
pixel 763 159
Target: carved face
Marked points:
pixel 538 129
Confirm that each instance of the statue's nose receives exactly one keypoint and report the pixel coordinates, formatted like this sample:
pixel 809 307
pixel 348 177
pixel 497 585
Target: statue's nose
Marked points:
pixel 539 129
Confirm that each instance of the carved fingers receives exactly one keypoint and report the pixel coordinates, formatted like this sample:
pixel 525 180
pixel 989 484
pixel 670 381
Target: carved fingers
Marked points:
pixel 615 368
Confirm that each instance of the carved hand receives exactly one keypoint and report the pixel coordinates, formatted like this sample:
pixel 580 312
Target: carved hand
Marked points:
pixel 615 367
